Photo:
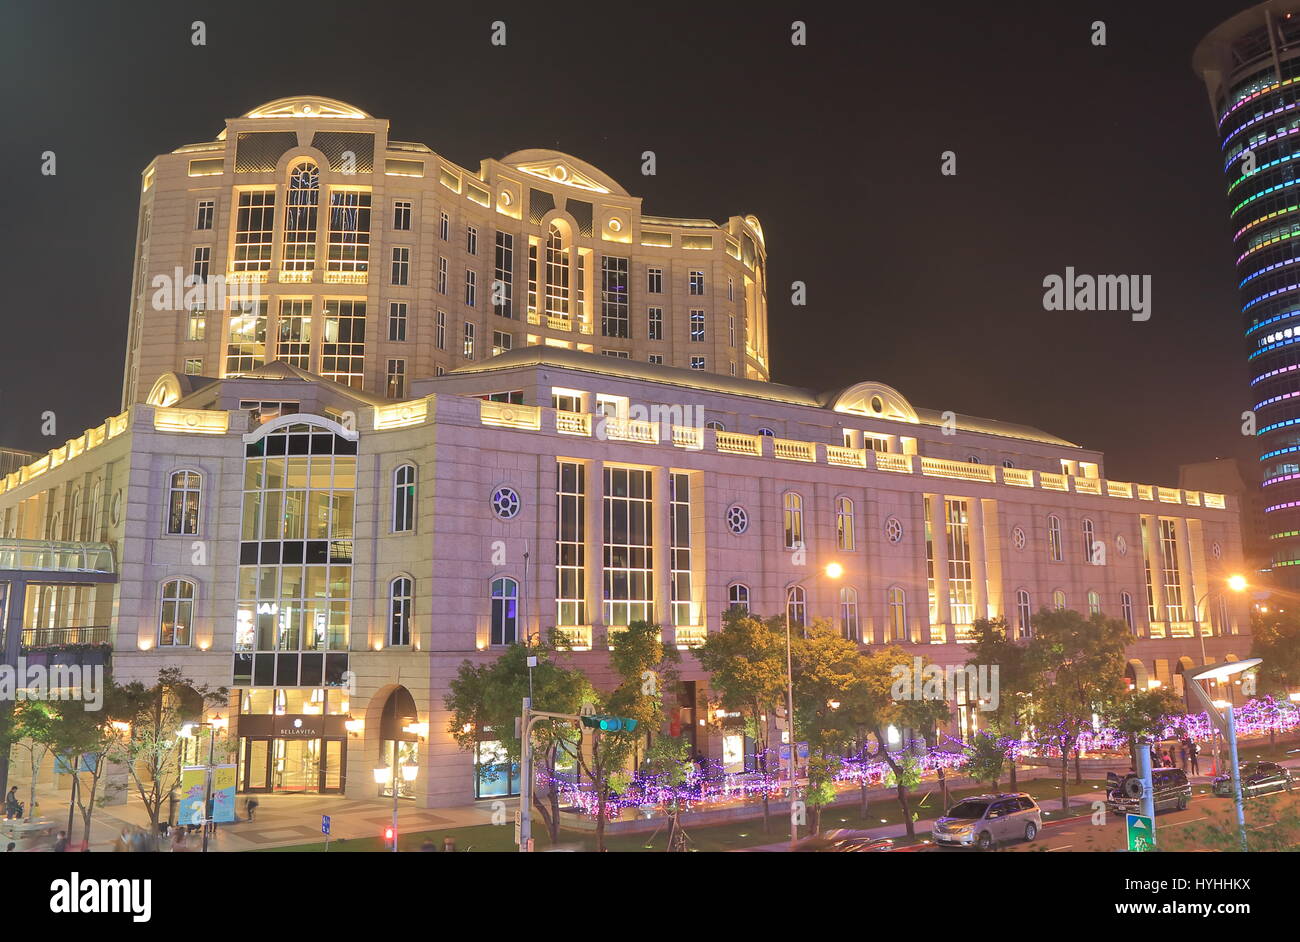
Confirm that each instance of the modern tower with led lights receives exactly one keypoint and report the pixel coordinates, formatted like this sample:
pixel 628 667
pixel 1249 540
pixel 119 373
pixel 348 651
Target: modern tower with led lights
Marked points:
pixel 1251 68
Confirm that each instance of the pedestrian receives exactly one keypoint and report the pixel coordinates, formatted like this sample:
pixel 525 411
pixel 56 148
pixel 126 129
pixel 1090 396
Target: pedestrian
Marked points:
pixel 1182 755
pixel 11 848
pixel 178 841
pixel 61 842
pixel 13 807
pixel 250 806
pixel 123 842
pixel 428 847
pixel 1193 754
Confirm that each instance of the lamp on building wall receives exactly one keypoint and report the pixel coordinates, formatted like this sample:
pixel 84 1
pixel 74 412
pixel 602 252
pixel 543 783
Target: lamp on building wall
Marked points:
pixel 417 729
pixel 354 726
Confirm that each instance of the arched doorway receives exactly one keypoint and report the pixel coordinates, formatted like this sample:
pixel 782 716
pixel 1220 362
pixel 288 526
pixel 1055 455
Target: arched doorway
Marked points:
pixel 1135 676
pixel 399 743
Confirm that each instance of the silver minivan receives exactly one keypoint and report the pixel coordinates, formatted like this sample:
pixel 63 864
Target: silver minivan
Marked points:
pixel 985 820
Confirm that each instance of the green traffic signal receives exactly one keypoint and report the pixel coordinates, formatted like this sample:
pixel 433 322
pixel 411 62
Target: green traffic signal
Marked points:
pixel 609 724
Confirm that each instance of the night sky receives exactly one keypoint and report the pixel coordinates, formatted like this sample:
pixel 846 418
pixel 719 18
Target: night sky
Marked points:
pixel 1104 159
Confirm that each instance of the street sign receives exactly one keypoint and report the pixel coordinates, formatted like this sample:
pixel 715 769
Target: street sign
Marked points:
pixel 324 824
pixel 1141 832
pixel 802 751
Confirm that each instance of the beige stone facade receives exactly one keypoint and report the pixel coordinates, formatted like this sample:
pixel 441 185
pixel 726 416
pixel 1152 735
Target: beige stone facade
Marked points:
pixel 306 235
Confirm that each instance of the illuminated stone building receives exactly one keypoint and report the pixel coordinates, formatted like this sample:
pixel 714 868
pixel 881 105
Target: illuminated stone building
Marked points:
pixel 286 521
pixel 373 262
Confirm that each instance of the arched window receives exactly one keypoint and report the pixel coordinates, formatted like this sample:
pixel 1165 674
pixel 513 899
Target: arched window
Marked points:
pixel 1054 538
pixel 1126 609
pixel 796 605
pixel 404 499
pixel 849 613
pixel 1089 540
pixel 1024 614
pixel 896 600
pixel 557 273
pixel 844 536
pixel 78 517
pixel 505 611
pixel 738 596
pixel 1058 600
pixel 184 491
pixel 302 199
pixel 177 616
pixel 56 526
pixel 716 426
pixel 766 432
pixel 793 506
pixel 400 592
pixel 1094 602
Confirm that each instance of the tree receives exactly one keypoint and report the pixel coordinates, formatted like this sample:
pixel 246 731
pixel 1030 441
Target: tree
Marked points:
pixel 490 697
pixel 985 757
pixel 668 761
pixel 34 731
pixel 1275 637
pixel 1144 713
pixel 995 647
pixel 745 662
pixel 822 770
pixel 877 705
pixel 1078 663
pixel 149 751
pixel 647 670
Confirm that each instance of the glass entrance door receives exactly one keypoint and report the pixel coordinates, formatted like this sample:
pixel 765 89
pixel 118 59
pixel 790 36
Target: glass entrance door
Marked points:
pixel 255 764
pixel 292 766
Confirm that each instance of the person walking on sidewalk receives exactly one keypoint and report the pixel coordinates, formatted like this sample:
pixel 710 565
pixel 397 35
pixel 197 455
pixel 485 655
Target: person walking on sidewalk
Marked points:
pixel 1193 753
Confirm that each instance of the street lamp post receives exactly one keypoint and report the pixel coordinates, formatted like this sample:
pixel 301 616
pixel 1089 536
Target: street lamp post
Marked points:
pixel 390 774
pixel 1227 722
pixel 833 571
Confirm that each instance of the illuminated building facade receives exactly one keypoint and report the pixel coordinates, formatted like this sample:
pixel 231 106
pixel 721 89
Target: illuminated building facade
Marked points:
pixel 304 234
pixel 1251 68
pixel 333 555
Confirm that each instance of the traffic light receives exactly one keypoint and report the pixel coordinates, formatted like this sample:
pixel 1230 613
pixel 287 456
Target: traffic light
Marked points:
pixel 609 724
pixel 390 835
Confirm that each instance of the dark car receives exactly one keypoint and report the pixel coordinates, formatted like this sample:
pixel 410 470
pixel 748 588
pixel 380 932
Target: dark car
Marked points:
pixel 844 841
pixel 1257 778
pixel 1169 789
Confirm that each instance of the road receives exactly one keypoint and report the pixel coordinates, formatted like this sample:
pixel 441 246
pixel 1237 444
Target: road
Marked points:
pixel 1174 829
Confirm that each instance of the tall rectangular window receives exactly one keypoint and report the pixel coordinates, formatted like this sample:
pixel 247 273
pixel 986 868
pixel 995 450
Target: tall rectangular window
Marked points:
pixel 471 240
pixel 930 578
pixel 349 238
pixel 202 263
pixel 654 280
pixel 679 485
pixel 1173 579
pixel 440 330
pixel 401 265
pixel 471 287
pixel 204 216
pixel 444 226
pixel 254 225
pixel 1148 554
pixel 197 326
pixel 246 338
pixel 343 348
pixel 628 551
pixel 397 320
pixel 301 205
pixel 961 584
pixel 731 330
pixel 697 283
pixel 293 333
pixel 442 276
pixel 503 273
pixel 396 380
pixel 613 296
pixel 469 341
pixel 501 342
pixel 532 277
pixel 571 544
pixel 697 327
pixel 402 215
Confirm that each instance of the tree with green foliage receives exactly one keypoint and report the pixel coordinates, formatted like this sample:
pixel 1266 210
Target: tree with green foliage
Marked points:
pixel 1275 637
pixel 822 769
pixel 489 696
pixel 879 704
pixel 985 757
pixel 668 761
pixel 745 662
pixel 1144 713
pixel 995 645
pixel 150 750
pixel 1078 663
pixel 34 731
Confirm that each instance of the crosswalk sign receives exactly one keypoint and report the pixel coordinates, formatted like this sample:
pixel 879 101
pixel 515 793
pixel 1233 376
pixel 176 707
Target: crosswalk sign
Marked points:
pixel 1141 832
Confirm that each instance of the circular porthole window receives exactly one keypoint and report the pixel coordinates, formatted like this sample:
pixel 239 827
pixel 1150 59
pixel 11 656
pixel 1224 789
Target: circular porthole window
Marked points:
pixel 877 405
pixel 506 198
pixel 894 530
pixel 1018 537
pixel 1121 545
pixel 505 502
pixel 737 519
pixel 615 224
pixel 1216 550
